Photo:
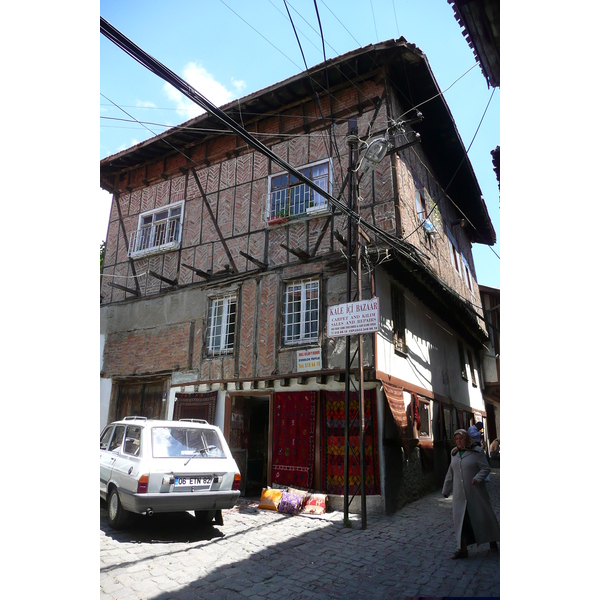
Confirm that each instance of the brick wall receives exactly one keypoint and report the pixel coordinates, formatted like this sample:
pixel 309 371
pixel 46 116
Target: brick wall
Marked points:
pixel 235 184
pixel 147 350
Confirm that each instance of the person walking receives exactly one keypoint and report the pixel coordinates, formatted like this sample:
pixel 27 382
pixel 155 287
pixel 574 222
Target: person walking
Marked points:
pixel 472 512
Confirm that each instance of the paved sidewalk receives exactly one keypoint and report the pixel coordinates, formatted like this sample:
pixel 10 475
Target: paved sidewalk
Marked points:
pixel 260 554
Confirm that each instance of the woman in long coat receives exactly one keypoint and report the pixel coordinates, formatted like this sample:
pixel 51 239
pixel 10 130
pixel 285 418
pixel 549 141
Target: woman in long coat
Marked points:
pixel 474 518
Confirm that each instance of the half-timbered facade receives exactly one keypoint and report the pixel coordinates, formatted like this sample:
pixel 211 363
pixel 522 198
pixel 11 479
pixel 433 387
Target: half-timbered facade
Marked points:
pixel 221 266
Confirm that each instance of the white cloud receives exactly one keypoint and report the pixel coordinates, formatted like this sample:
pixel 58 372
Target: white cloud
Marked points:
pixel 238 84
pixel 202 81
pixel 145 104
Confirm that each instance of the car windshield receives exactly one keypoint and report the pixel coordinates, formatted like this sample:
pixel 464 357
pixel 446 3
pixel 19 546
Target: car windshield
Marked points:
pixel 185 442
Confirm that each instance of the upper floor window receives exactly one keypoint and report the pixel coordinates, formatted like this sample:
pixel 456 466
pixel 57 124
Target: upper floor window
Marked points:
pixel 221 325
pixel 289 198
pixel 467 273
pixel 158 230
pixel 471 368
pixel 454 253
pixel 301 312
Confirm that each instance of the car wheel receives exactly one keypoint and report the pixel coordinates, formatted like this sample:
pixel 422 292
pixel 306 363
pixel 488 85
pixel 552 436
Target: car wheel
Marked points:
pixel 204 517
pixel 117 515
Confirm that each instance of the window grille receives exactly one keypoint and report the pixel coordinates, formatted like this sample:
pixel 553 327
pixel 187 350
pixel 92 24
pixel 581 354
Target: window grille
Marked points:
pixel 157 230
pixel 288 198
pixel 301 312
pixel 221 325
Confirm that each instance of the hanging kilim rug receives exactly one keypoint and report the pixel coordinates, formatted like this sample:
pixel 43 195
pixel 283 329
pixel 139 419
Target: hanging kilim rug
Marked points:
pixel 294 439
pixel 332 444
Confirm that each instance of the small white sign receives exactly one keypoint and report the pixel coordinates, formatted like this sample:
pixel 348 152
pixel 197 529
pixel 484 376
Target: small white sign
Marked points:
pixel 353 318
pixel 309 360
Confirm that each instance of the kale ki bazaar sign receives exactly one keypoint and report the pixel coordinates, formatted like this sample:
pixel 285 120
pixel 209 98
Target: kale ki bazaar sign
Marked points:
pixel 353 318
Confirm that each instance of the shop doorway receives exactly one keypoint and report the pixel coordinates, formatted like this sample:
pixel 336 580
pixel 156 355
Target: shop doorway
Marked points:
pixel 249 441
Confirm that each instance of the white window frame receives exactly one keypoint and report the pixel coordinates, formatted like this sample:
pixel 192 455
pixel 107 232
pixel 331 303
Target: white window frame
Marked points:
pixel 301 327
pixel 220 329
pixel 421 204
pixel 293 199
pixel 454 253
pixel 147 237
pixel 421 403
pixel 468 276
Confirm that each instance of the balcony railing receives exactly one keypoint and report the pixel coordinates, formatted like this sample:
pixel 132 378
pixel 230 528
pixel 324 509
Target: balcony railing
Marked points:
pixel 294 202
pixel 159 237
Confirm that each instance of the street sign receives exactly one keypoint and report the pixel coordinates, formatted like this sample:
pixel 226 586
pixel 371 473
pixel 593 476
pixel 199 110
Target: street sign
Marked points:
pixel 353 318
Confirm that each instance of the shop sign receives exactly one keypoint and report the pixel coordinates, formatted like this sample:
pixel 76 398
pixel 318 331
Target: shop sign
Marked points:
pixel 353 318
pixel 308 360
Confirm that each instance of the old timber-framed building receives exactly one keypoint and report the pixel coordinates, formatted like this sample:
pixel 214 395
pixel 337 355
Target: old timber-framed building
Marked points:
pixel 220 268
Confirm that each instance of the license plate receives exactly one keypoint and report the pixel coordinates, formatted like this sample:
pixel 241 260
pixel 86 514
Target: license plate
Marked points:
pixel 187 481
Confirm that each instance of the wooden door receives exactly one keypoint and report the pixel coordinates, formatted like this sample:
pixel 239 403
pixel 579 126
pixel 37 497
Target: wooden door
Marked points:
pixel 140 399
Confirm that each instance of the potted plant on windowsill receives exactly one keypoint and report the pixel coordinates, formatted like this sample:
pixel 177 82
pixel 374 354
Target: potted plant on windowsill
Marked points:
pixel 281 217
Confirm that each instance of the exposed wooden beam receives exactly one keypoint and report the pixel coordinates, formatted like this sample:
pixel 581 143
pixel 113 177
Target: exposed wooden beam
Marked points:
pixel 340 238
pixel 299 253
pixel 214 220
pixel 321 235
pixel 198 271
pixel 261 264
pixel 123 288
pixel 165 279
pixel 124 233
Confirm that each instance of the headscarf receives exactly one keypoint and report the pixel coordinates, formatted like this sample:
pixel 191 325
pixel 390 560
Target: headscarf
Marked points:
pixel 468 442
pixel 465 434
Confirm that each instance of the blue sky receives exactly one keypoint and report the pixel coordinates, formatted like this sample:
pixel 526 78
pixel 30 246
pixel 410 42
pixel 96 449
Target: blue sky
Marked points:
pixel 227 49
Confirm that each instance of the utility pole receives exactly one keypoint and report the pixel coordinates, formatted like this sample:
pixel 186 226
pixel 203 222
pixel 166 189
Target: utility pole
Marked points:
pixel 354 205
pixel 352 137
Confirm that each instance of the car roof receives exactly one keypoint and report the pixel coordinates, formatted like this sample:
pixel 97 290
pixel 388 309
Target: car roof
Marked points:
pixel 193 423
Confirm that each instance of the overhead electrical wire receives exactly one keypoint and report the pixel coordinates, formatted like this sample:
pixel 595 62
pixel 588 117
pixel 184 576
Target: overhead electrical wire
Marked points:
pixel 444 189
pixel 399 245
pixel 332 141
pixel 329 95
pixel 178 83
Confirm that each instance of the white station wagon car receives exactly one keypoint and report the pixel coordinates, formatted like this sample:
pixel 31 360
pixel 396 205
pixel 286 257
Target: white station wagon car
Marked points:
pixel 151 466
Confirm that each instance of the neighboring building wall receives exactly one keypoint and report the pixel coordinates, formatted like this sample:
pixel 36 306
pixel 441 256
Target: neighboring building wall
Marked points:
pixel 432 362
pixel 431 368
pixel 490 358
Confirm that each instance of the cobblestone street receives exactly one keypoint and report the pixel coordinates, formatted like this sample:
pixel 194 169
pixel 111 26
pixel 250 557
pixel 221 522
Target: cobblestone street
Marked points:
pixel 259 553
